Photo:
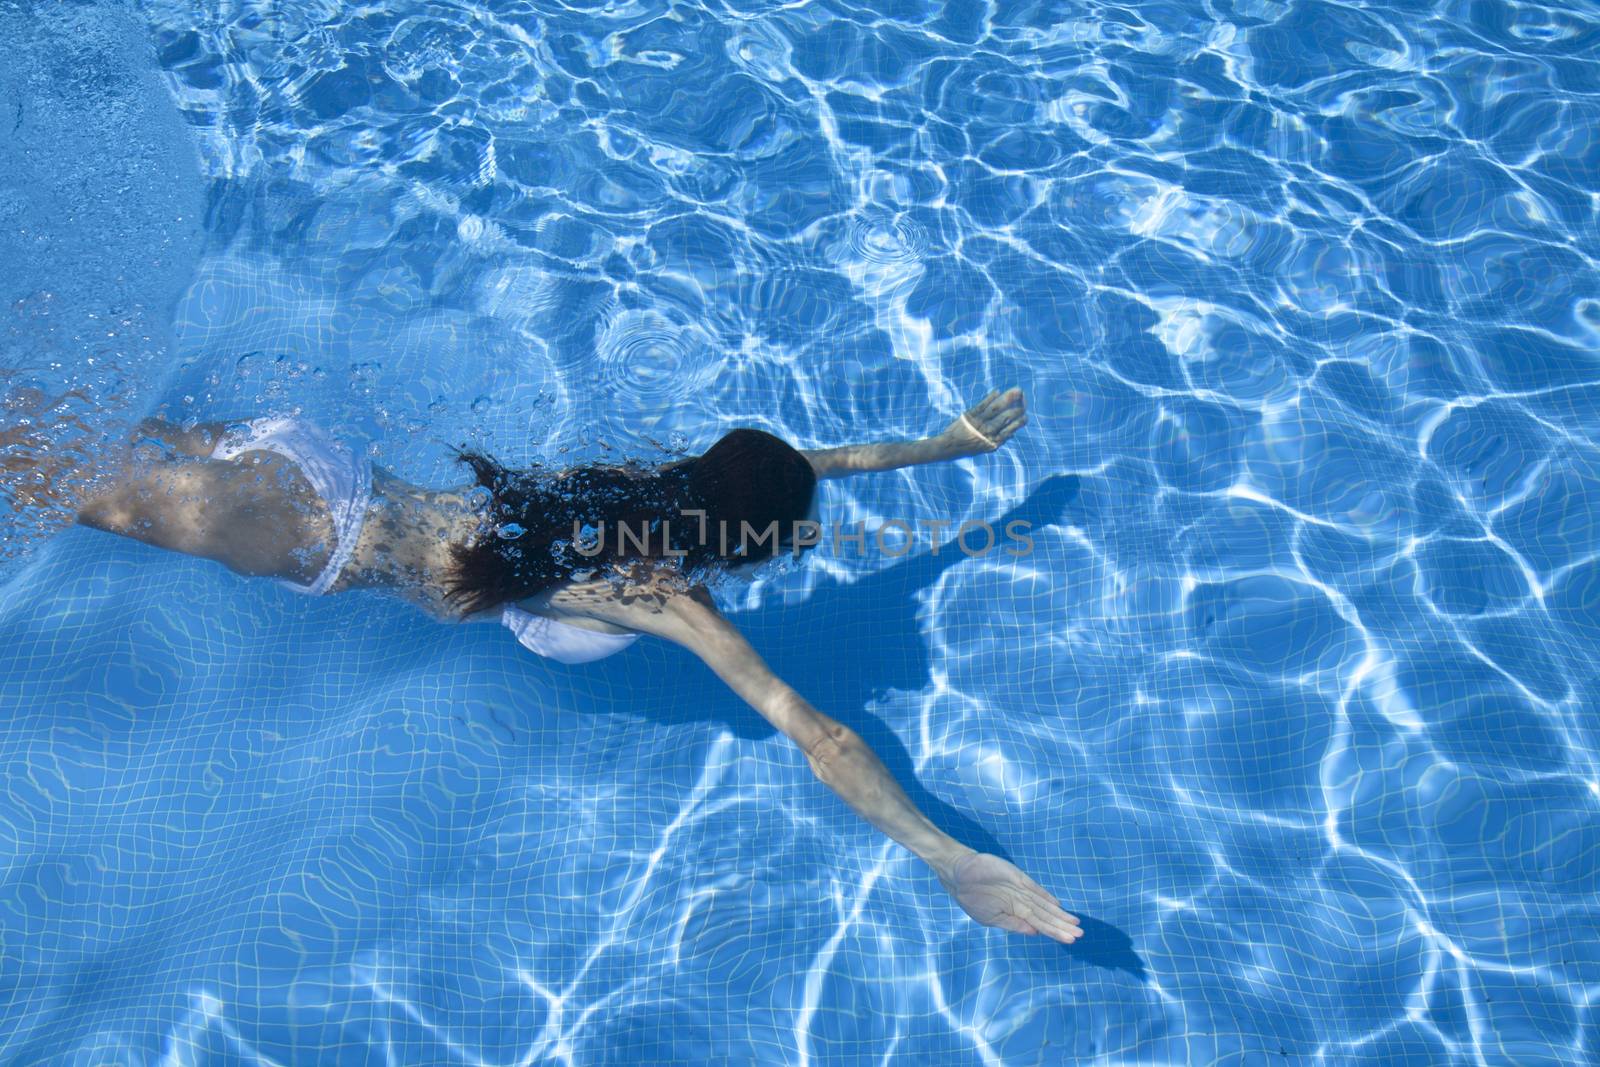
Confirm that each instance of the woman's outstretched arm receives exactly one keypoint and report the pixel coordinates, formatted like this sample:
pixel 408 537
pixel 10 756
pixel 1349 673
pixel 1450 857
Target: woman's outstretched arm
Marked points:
pixel 988 888
pixel 984 427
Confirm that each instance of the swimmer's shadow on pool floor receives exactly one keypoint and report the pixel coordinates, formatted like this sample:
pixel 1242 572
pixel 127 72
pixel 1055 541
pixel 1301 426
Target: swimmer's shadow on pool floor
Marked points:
pixel 844 647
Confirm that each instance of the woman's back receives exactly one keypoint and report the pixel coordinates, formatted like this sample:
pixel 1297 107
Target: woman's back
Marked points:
pixel 543 528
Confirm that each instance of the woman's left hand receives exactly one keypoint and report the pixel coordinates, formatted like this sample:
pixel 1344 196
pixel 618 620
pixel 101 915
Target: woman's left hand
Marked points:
pixel 988 424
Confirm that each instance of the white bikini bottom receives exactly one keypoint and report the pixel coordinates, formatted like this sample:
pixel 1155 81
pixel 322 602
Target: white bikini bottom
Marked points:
pixel 339 475
pixel 344 481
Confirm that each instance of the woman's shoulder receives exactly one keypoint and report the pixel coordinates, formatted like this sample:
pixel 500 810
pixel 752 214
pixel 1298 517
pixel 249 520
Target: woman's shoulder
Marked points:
pixel 563 603
pixel 638 585
pixel 584 622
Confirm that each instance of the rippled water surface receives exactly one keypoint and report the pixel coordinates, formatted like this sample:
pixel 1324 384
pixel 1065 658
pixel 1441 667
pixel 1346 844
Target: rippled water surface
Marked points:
pixel 1294 699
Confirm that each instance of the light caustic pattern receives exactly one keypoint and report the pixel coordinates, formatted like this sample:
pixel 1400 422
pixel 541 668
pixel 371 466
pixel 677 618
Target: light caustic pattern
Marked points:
pixel 1294 699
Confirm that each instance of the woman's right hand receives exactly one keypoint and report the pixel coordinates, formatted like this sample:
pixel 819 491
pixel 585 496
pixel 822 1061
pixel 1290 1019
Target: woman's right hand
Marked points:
pixel 995 893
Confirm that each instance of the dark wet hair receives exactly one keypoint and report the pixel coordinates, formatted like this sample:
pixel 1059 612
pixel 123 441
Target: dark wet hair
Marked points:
pixel 749 476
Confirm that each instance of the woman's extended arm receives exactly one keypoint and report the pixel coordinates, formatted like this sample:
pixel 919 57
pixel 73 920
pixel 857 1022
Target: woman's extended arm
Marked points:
pixel 988 888
pixel 984 427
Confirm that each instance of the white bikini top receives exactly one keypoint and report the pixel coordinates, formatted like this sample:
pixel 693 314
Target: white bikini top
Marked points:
pixel 562 641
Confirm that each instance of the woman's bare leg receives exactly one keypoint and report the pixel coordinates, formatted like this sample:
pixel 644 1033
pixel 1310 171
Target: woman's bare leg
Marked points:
pixel 51 461
pixel 255 514
pixel 159 488
pixel 197 440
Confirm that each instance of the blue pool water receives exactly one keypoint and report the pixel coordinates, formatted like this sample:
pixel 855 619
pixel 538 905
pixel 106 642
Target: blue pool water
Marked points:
pixel 1294 700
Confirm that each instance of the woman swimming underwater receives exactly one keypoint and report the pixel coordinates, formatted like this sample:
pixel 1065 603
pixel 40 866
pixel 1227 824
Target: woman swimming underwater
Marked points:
pixel 281 498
